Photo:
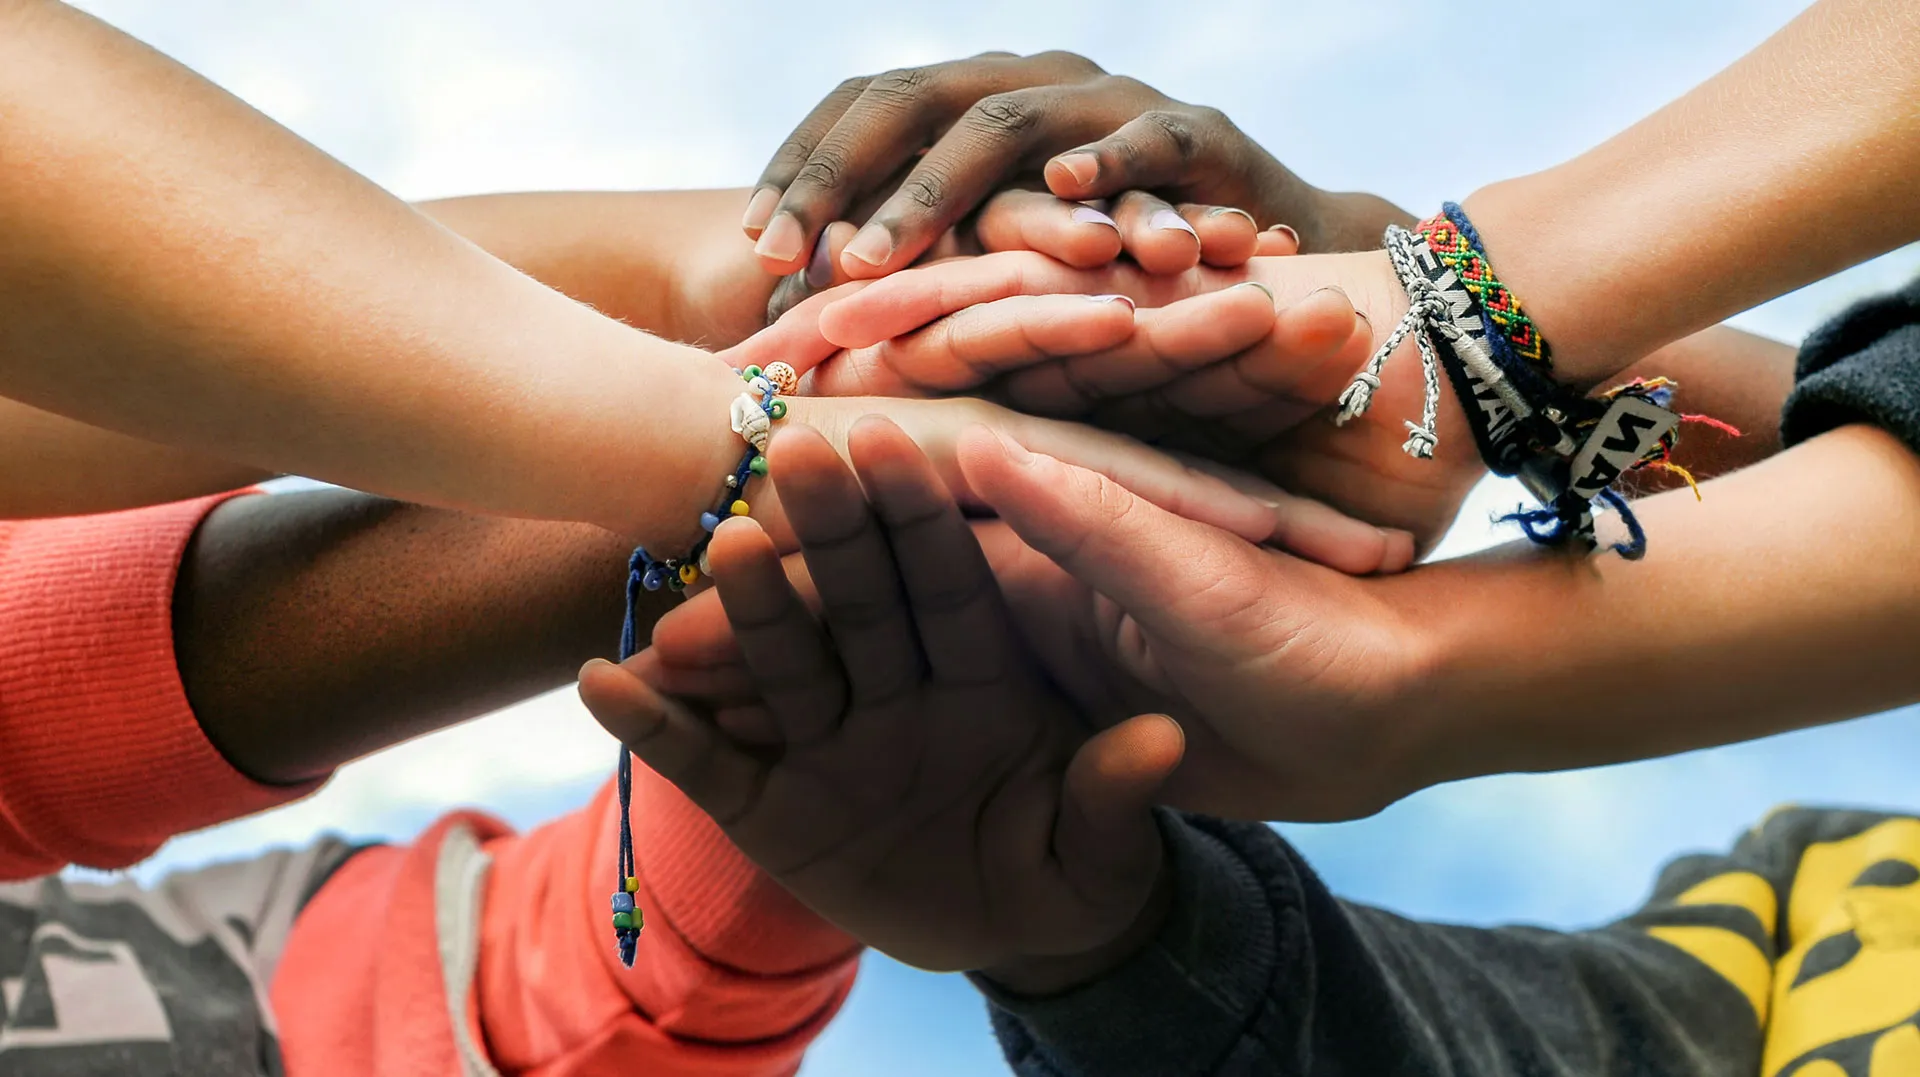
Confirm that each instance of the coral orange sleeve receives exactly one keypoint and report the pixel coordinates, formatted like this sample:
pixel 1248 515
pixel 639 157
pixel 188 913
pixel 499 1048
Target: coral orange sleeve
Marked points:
pixel 734 977
pixel 101 759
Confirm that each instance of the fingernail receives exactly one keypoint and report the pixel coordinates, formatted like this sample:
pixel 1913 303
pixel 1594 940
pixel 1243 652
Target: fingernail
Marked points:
pixel 782 240
pixel 874 245
pixel 1089 215
pixel 1288 232
pixel 1167 220
pixel 1222 210
pixel 760 209
pixel 820 268
pixel 1015 451
pixel 1083 167
pixel 1128 300
pixel 1335 289
pixel 1256 284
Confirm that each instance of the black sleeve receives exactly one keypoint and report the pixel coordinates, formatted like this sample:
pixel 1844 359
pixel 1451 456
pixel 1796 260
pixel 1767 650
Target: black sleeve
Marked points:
pixel 1863 366
pixel 1259 970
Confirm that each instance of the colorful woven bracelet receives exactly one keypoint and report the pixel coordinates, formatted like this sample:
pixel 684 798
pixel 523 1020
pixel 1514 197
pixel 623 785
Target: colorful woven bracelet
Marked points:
pixel 1567 449
pixel 753 415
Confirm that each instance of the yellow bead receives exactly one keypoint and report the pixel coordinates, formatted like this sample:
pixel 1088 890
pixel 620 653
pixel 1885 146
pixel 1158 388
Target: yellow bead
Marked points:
pixel 739 508
pixel 633 884
pixel 688 574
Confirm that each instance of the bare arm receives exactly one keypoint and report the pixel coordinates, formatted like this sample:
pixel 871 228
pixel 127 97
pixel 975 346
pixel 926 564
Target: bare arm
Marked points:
pixel 1789 597
pixel 1799 160
pixel 313 628
pixel 668 262
pixel 179 268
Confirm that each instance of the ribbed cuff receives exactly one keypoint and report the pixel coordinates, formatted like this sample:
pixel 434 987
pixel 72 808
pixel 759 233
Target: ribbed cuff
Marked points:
pixel 1177 1006
pixel 101 758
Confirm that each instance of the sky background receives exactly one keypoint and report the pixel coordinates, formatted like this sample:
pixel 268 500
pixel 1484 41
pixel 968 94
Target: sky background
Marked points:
pixel 440 98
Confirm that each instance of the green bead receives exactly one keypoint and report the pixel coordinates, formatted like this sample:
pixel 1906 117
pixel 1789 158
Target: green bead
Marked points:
pixel 750 373
pixel 623 919
pixel 778 409
pixel 758 465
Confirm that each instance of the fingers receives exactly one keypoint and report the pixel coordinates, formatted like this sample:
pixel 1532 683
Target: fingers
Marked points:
pixel 908 300
pixel 795 152
pixel 976 345
pixel 1167 343
pixel 850 563
pixel 1134 469
pixel 1278 241
pixel 671 740
pixel 1157 236
pixel 964 630
pixel 822 272
pixel 1022 220
pixel 1147 560
pixel 794 338
pixel 1170 147
pixel 1105 836
pixel 1292 363
pixel 856 140
pixel 793 666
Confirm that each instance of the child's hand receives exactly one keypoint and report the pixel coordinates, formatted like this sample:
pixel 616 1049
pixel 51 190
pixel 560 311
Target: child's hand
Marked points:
pixel 1295 685
pixel 905 771
pixel 1264 406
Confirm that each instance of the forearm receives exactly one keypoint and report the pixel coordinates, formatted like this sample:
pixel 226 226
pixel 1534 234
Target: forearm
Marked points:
pixel 180 269
pixel 313 628
pixel 1736 377
pixel 1799 160
pixel 669 262
pixel 54 466
pixel 1788 597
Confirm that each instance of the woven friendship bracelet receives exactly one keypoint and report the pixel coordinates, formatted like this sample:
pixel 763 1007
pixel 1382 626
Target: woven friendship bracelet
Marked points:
pixel 1566 448
pixel 752 415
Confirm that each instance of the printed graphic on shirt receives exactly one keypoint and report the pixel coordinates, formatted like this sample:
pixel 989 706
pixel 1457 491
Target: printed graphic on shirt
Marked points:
pixel 99 979
pixel 1842 998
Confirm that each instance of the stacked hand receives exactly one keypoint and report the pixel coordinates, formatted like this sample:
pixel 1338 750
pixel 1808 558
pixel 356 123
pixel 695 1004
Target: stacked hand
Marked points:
pixel 897 762
pixel 1210 369
pixel 1289 678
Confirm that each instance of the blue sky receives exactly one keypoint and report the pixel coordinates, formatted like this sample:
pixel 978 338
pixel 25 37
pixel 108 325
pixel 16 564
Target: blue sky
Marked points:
pixel 441 97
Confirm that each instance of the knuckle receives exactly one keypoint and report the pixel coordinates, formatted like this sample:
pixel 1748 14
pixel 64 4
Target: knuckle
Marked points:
pixel 1176 130
pixel 1209 117
pixel 928 187
pixel 1071 62
pixel 825 170
pixel 1004 114
pixel 1129 88
pixel 902 85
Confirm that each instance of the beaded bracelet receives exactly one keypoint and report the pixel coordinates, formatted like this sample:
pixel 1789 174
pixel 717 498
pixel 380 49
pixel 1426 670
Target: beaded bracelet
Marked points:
pixel 753 420
pixel 1568 449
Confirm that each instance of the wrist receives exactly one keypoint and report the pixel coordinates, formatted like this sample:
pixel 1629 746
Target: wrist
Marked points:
pixel 1037 976
pixel 1563 260
pixel 1490 643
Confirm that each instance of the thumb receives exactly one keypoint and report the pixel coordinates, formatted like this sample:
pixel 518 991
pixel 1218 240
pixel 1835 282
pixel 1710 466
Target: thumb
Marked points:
pixel 1105 837
pixel 1149 561
pixel 795 338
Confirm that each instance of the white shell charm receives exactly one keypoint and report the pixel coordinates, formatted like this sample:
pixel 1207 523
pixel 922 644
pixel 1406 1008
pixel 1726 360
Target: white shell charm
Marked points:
pixel 750 421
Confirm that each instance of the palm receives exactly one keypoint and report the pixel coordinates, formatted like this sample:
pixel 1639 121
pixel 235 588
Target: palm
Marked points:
pixel 1243 667
pixel 882 826
pixel 896 762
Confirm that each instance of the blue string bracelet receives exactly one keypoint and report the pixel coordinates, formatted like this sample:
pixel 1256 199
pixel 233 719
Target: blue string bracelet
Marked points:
pixel 753 414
